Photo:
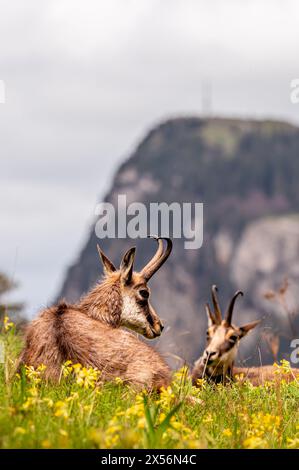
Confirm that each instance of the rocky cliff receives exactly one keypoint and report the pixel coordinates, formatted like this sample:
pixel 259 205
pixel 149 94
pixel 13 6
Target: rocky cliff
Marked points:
pixel 246 173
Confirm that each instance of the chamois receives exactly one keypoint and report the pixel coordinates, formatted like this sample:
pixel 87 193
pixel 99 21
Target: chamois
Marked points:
pixel 90 332
pixel 217 361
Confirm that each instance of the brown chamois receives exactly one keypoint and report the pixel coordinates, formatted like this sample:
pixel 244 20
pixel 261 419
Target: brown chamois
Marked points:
pixel 217 361
pixel 90 332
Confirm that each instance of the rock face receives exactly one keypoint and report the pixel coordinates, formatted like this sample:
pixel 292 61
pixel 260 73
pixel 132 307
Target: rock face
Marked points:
pixel 246 173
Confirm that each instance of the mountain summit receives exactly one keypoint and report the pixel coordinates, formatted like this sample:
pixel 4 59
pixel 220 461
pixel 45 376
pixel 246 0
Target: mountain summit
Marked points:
pixel 246 173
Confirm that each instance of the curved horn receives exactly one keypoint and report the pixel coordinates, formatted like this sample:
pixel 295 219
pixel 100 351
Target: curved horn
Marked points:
pixel 216 304
pixel 229 313
pixel 158 259
pixel 210 315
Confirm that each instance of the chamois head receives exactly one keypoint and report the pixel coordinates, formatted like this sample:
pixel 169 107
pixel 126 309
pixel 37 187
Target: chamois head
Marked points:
pixel 222 336
pixel 135 311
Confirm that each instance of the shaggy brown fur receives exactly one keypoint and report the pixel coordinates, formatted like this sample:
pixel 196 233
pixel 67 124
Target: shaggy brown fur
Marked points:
pixel 255 375
pixel 89 332
pixel 260 375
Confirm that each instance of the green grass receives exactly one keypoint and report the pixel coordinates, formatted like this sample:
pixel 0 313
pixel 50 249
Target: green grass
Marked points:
pixel 78 414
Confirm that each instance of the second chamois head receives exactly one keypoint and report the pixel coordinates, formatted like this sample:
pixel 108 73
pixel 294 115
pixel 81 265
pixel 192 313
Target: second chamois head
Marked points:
pixel 222 336
pixel 132 293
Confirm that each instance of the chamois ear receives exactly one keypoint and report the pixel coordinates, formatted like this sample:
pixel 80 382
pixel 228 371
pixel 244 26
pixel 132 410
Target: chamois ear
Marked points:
pixel 126 265
pixel 246 328
pixel 107 264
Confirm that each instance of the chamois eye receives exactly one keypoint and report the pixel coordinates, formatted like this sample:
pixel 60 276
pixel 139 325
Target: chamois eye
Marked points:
pixel 208 335
pixel 233 338
pixel 144 293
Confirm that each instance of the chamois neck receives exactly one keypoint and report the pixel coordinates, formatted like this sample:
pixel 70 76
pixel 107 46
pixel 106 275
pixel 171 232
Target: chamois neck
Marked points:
pixel 220 374
pixel 104 301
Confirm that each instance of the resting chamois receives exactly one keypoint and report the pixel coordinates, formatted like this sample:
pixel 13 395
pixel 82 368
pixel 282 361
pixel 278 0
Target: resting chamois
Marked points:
pixel 217 361
pixel 90 332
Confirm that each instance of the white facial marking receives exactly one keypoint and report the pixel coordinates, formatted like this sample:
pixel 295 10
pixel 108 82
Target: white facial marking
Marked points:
pixel 217 340
pixel 229 357
pixel 132 315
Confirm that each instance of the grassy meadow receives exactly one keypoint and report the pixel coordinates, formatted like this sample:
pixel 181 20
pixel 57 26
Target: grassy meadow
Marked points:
pixel 81 413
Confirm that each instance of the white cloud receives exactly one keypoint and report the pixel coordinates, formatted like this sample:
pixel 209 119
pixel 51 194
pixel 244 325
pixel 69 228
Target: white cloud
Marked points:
pixel 84 80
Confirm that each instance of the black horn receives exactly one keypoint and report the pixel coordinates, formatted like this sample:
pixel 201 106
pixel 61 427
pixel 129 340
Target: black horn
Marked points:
pixel 158 259
pixel 216 304
pixel 229 313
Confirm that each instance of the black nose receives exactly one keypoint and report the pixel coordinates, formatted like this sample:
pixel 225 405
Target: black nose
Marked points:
pixel 210 354
pixel 161 327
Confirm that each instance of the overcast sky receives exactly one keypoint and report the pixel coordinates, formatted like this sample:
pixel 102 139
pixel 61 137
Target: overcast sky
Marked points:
pixel 86 79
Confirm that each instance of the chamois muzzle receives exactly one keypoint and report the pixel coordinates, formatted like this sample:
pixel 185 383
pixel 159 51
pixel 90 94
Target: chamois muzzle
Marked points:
pixel 157 330
pixel 210 356
pixel 156 326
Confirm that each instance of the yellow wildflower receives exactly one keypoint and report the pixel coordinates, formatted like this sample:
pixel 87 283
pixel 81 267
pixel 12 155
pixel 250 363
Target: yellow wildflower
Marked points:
pixel 293 443
pixel 260 430
pixel 167 398
pixel 61 409
pixel 239 377
pixel 67 368
pixel 207 419
pixel 137 409
pixel 180 376
pixel 111 441
pixel 19 430
pixel 200 382
pixel 265 422
pixel 8 324
pixel 255 442
pixel 86 377
pixel 46 444
pixel 112 429
pixel 141 423
pixel 49 402
pixel 33 391
pixel 29 403
pixel 97 436
pixel 34 374
pixel 73 396
pixel 130 439
pixel 118 381
pixel 284 368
